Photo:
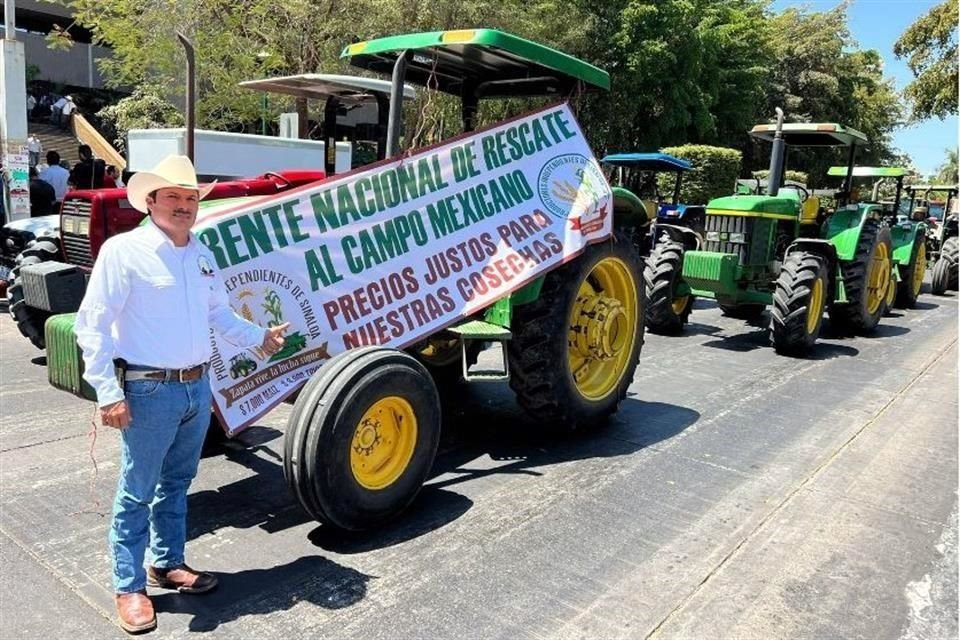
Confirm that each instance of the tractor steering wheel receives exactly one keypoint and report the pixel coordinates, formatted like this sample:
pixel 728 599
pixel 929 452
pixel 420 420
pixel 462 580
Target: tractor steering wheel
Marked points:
pixel 284 182
pixel 804 194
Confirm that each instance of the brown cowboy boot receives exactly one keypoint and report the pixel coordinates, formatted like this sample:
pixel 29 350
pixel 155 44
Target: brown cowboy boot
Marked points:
pixel 182 578
pixel 135 611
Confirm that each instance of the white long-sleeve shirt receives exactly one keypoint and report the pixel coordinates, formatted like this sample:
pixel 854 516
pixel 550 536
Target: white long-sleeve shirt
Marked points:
pixel 153 303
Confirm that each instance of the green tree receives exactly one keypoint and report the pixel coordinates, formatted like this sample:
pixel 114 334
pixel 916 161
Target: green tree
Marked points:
pixel 948 173
pixel 930 48
pixel 145 109
pixel 819 75
pixel 681 70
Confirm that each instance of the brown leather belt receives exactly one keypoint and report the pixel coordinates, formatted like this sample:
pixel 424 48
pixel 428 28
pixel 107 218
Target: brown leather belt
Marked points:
pixel 169 375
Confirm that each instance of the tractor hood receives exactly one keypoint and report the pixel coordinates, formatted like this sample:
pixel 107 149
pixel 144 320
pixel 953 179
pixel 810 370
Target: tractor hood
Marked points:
pixel 755 204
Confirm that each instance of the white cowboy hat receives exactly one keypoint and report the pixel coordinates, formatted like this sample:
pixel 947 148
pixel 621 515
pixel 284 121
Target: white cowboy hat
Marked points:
pixel 172 171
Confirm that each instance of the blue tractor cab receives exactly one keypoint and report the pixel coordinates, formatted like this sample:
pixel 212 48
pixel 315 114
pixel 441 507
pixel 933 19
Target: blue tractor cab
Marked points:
pixel 636 185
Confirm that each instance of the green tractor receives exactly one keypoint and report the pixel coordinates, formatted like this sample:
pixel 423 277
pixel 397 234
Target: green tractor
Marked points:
pixel 242 365
pixel 365 429
pixel 780 250
pixel 942 232
pixel 907 233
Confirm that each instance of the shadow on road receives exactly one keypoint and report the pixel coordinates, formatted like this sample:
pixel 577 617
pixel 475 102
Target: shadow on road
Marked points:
pixel 477 424
pixel 927 306
pixel 40 361
pixel 315 579
pixel 887 331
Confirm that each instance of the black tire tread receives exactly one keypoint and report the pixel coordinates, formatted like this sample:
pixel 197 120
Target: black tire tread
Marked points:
pixel 853 315
pixel 788 315
pixel 538 350
pixel 661 276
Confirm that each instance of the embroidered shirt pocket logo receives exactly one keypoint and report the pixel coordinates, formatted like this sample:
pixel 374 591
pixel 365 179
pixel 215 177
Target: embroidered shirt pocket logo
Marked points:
pixel 206 269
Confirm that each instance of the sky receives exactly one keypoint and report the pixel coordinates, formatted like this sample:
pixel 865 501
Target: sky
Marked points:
pixel 876 24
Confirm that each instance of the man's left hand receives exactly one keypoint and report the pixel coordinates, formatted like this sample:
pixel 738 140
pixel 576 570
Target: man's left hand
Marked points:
pixel 273 338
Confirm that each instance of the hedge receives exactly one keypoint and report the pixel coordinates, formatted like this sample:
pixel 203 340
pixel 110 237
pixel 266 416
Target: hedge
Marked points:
pixel 715 171
pixel 795 176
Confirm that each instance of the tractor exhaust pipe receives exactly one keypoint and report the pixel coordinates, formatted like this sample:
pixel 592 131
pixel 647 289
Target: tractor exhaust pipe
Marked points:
pixel 775 175
pixel 191 98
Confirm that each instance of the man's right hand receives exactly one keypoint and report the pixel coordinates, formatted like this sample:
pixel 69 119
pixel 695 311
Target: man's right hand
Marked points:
pixel 116 415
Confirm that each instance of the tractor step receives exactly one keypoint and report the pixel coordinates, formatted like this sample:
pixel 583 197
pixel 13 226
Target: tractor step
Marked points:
pixel 478 330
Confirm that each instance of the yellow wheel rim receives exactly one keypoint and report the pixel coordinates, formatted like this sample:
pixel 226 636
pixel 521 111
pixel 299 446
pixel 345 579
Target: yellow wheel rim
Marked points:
pixel 603 325
pixel 815 306
pixel 383 443
pixel 679 305
pixel 919 268
pixel 878 277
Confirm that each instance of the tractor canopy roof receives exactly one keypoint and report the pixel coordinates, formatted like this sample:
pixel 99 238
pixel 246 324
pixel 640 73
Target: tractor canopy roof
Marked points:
pixel 945 188
pixel 485 62
pixel 320 86
pixel 648 161
pixel 811 134
pixel 868 172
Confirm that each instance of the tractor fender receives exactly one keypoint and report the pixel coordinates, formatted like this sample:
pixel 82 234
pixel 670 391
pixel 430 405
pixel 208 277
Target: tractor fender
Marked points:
pixel 903 235
pixel 689 238
pixel 842 229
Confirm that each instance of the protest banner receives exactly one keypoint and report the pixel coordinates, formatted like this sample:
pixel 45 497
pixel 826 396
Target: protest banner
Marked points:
pixel 395 252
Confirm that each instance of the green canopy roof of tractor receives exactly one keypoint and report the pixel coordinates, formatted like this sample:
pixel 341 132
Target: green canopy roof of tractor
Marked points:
pixel 320 86
pixel 946 188
pixel 868 172
pixel 811 134
pixel 489 63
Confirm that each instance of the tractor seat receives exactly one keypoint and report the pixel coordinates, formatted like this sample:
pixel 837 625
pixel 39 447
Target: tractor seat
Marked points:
pixel 809 210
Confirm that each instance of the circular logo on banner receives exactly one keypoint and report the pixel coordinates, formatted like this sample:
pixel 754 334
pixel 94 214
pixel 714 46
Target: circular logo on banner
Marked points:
pixel 571 185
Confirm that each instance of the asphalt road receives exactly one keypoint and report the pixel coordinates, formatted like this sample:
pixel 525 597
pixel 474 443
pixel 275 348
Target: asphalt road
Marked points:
pixel 738 494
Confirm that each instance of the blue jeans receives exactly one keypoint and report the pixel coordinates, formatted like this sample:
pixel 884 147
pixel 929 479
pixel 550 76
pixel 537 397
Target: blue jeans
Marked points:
pixel 161 452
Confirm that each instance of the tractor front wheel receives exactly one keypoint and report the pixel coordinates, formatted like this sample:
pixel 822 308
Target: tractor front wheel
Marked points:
pixel 867 280
pixel 30 321
pixel 911 278
pixel 362 437
pixel 666 311
pixel 575 349
pixel 945 269
pixel 798 303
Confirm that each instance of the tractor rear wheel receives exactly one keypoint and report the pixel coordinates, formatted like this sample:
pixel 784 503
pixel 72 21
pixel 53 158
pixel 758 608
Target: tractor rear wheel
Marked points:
pixel 30 321
pixel 945 269
pixel 362 437
pixel 749 311
pixel 911 278
pixel 575 349
pixel 866 278
pixel 666 312
pixel 798 303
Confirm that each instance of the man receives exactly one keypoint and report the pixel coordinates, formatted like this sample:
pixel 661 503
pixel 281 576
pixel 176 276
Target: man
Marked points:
pixel 66 112
pixel 55 175
pixel 42 196
pixel 55 111
pixel 31 105
pixel 151 302
pixel 34 149
pixel 88 173
pixel 111 178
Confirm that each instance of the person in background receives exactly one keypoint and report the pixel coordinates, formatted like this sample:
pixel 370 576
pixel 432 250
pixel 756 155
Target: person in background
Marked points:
pixel 111 178
pixel 31 105
pixel 55 175
pixel 66 113
pixel 42 196
pixel 88 173
pixel 34 149
pixel 56 110
pixel 151 303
